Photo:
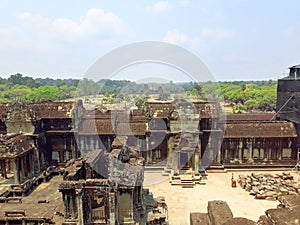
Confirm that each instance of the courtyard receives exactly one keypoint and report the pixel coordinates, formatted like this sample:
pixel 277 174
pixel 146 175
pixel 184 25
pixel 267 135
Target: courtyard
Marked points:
pixel 182 201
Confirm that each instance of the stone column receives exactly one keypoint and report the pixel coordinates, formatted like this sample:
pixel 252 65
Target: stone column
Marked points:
pixel 71 206
pixel 131 205
pixel 279 154
pixel 99 141
pixel 16 171
pixel 32 163
pixel 219 156
pixel 21 168
pixel 81 143
pixel 109 141
pixel 217 145
pixel 141 194
pixel 266 153
pixel 196 161
pixel 66 204
pixel 240 150
pixel 280 149
pixel 149 155
pixel 37 160
pixel 73 148
pixel 225 154
pixel 250 156
pixel 92 146
pixel 112 208
pixel 61 156
pixel 79 207
pixel 85 146
pixel 75 209
pixel 170 150
pixel 235 151
pixel 175 162
pixel 3 168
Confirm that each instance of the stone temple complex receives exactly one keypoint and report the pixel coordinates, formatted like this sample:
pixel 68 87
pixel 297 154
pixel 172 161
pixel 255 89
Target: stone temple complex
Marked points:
pixel 88 165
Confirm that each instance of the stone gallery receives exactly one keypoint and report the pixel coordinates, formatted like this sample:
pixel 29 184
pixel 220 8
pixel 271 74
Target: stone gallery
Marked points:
pixel 96 158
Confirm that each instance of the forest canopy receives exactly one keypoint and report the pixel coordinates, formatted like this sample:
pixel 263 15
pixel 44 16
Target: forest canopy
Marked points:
pixel 249 94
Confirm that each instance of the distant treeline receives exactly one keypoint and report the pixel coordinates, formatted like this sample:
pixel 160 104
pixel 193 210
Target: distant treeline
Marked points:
pixel 247 94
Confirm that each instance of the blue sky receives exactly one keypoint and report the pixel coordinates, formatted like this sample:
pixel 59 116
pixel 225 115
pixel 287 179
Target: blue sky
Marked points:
pixel 236 39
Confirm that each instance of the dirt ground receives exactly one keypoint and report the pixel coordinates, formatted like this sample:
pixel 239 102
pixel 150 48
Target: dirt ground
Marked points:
pixel 182 201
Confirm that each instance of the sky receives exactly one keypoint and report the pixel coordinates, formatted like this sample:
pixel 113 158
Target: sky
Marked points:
pixel 235 39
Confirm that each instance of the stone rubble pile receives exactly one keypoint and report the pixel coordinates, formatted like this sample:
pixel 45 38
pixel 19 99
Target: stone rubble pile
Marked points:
pixel 268 186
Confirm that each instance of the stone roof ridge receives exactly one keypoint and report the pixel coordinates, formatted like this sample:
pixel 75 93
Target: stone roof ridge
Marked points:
pixel 295 66
pixel 261 129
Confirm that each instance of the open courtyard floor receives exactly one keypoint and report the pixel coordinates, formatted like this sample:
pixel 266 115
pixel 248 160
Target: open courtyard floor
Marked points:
pixel 182 201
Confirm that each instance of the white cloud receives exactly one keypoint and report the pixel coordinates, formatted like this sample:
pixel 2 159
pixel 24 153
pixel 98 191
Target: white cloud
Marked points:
pixel 184 2
pixel 175 37
pixel 29 18
pixel 204 37
pixel 59 45
pixel 161 6
pixel 94 22
pixel 237 58
pixel 216 34
pixel 288 32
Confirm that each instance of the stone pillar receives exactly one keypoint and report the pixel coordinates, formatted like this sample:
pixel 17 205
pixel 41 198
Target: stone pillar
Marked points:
pixel 73 148
pixel 235 150
pixel 81 143
pixel 91 147
pixel 175 162
pixel 196 161
pixel 37 164
pixel 199 147
pixel 16 171
pixel 279 154
pixel 71 206
pixel 131 206
pixel 219 156
pixel 266 152
pixel 9 165
pixel 240 150
pixel 66 198
pixel 79 207
pixel 108 147
pixel 141 194
pixel 250 156
pixel 112 209
pixel 150 156
pixel 149 153
pixel 75 209
pixel 3 168
pixel 22 168
pixel 99 141
pixel 280 149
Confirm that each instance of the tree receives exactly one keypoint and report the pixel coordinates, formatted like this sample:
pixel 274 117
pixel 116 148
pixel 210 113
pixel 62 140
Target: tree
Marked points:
pixel 251 104
pixel 140 102
pixel 238 108
pixel 43 93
